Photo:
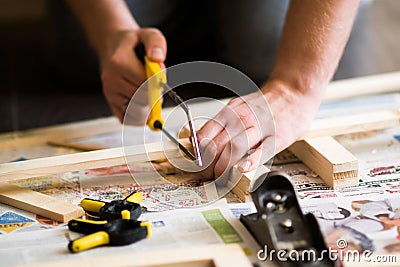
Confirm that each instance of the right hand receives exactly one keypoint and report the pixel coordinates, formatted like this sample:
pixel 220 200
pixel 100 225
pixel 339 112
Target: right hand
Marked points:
pixel 122 72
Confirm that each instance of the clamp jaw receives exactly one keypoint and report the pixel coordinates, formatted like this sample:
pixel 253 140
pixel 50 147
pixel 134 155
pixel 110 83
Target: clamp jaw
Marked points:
pixel 112 210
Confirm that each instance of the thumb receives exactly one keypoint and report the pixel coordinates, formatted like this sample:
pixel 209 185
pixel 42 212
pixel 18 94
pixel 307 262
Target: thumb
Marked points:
pixel 155 44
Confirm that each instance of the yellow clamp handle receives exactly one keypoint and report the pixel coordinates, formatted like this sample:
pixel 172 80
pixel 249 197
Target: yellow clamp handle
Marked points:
pixel 89 241
pixel 92 205
pixel 76 222
pixel 154 92
pixel 135 198
pixel 148 226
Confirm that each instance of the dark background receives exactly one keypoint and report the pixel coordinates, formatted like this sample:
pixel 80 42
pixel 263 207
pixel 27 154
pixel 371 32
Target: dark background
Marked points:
pixel 33 54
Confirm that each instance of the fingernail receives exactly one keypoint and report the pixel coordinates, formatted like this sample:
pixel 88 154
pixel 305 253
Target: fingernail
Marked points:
pixel 157 53
pixel 244 166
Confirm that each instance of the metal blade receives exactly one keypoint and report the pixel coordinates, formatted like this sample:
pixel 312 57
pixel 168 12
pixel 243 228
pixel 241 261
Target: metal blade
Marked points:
pixel 193 136
pixel 181 147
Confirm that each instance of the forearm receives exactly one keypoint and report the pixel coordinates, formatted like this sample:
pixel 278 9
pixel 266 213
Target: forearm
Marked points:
pixel 313 40
pixel 102 20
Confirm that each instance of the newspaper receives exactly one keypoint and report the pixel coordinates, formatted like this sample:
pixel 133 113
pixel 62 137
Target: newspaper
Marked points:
pixel 174 229
pixel 366 216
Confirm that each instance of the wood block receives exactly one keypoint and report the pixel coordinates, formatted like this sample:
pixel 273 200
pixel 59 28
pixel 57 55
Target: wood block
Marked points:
pixel 39 203
pixel 204 256
pixel 247 181
pixel 329 159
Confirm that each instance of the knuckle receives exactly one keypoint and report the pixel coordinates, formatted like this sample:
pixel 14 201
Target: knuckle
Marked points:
pixel 235 101
pixel 149 33
pixel 105 78
pixel 236 146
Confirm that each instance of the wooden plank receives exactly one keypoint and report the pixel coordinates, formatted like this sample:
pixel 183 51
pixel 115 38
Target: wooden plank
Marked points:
pixel 353 123
pixel 91 160
pixel 71 144
pixel 38 203
pixel 329 159
pixel 369 85
pixel 71 130
pixel 203 256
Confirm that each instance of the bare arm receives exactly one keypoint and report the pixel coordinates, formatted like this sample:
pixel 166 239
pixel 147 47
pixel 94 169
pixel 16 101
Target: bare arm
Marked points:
pixel 102 19
pixel 313 40
pixel 268 121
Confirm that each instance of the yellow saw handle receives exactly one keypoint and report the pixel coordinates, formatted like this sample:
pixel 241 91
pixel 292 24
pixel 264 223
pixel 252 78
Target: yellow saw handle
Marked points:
pixel 154 93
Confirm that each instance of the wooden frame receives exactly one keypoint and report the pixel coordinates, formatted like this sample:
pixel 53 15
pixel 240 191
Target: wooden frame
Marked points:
pixel 118 156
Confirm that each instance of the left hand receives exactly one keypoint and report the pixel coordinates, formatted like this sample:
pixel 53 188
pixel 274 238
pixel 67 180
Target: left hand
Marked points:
pixel 265 122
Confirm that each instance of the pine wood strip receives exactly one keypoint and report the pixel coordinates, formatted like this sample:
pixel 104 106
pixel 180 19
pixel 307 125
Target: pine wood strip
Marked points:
pixel 353 123
pixel 39 203
pixel 368 85
pixel 203 256
pixel 91 160
pixel 77 146
pixel 65 131
pixel 329 159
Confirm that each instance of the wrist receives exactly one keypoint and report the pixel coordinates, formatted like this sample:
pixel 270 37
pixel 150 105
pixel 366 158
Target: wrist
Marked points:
pixel 285 93
pixel 296 85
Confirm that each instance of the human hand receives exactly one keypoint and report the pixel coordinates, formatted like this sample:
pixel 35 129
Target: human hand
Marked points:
pixel 265 123
pixel 122 72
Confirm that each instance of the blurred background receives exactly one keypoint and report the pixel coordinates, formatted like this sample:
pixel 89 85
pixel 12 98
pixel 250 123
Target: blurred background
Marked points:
pixel 45 78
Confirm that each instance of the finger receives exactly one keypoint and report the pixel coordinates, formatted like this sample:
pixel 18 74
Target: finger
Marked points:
pixel 236 149
pixel 260 156
pixel 119 95
pixel 154 43
pixel 209 131
pixel 226 117
pixel 118 104
pixel 133 72
pixel 209 160
pixel 235 102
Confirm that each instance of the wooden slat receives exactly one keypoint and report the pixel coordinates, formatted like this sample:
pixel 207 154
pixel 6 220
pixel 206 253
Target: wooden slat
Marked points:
pixel 118 156
pixel 71 130
pixel 38 203
pixel 90 160
pixel 353 123
pixel 368 85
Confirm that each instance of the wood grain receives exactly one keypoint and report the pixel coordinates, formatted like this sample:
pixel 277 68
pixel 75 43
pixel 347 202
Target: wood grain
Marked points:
pixel 38 203
pixel 329 159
